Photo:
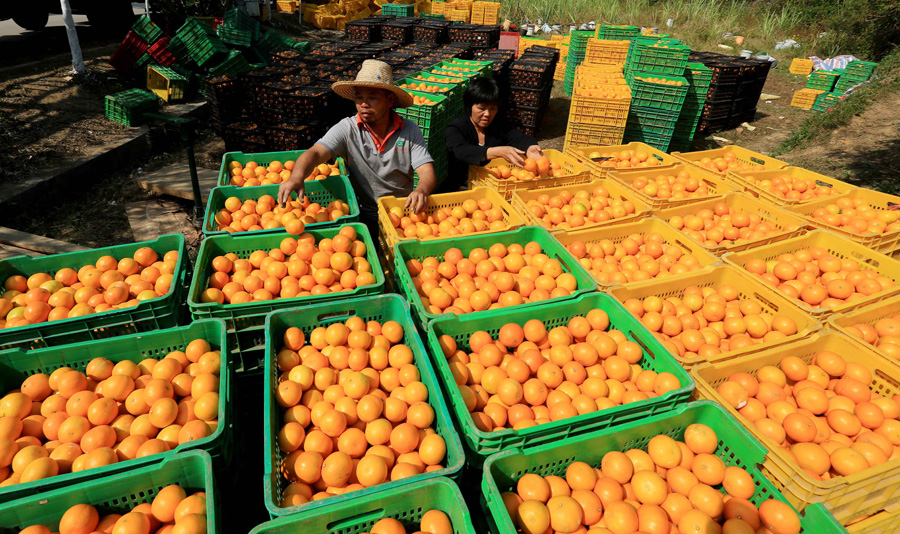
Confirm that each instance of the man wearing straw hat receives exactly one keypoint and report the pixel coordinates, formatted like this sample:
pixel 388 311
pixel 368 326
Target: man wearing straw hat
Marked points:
pixel 381 148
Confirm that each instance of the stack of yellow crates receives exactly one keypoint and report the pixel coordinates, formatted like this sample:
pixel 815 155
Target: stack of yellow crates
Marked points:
pixel 600 102
pixel 603 52
pixel 805 98
pixel 439 7
pixel 486 13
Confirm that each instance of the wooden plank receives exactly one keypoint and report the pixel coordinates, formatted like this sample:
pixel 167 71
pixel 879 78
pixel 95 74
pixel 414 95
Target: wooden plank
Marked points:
pixel 175 180
pixel 45 245
pixel 150 219
pixel 9 251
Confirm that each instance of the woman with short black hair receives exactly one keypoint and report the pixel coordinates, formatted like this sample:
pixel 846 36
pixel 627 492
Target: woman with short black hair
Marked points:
pixel 476 137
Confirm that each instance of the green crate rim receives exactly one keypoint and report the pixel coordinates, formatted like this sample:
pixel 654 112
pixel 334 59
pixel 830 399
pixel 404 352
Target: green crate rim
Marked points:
pixel 397 309
pixel 328 186
pixel 486 443
pixel 265 158
pixel 405 250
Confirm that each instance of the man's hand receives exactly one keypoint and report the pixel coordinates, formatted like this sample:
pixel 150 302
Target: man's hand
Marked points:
pixel 417 201
pixel 284 192
pixel 535 152
pixel 509 153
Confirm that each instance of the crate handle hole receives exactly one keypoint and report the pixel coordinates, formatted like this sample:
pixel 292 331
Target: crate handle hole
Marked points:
pixel 332 317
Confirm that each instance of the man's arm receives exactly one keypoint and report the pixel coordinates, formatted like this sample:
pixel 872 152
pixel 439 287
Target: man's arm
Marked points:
pixel 303 167
pixel 418 199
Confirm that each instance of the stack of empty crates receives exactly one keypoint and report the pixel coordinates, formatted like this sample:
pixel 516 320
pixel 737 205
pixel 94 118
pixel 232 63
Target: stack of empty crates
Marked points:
pixel 577 52
pixel 655 73
pixel 855 73
pixel 530 85
pixel 805 98
pixel 699 78
pixel 734 91
pixel 486 13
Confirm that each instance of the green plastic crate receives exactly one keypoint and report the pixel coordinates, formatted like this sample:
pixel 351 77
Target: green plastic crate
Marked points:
pixel 166 83
pixel 143 62
pixel 264 158
pixel 18 364
pixel 398 10
pixel 270 42
pixel 826 101
pixel 656 95
pixel 355 515
pixel 656 357
pixel 148 315
pixel 129 106
pixel 617 33
pixel 179 49
pixel 822 80
pixel 234 36
pixel 736 447
pixel 646 57
pixel 407 250
pixel 486 67
pixel 246 322
pixel 118 493
pixel 453 93
pixel 657 141
pixel 237 19
pixel 202 43
pixel 147 29
pixel 485 71
pixel 699 79
pixel 235 63
pixel 652 120
pixel 862 69
pixel 433 119
pixel 380 308
pixel 322 192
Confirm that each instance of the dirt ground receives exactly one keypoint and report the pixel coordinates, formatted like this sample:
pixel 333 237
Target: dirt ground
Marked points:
pixel 46 119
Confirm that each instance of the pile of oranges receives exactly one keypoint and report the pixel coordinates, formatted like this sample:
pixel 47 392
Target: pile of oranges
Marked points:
pixel 636 258
pixel 254 174
pixel 529 376
pixel 884 334
pixel 432 522
pixel 531 169
pixel 499 277
pixel 723 225
pixel 677 185
pixel 622 159
pixel 818 278
pixel 264 213
pixel 673 486
pixel 822 414
pixel 422 101
pixel 728 162
pixel 109 284
pixel 568 210
pixel 356 412
pixel 786 186
pixel 469 217
pixel 858 216
pixel 437 79
pixel 298 268
pixel 171 510
pixel 424 87
pixel 447 72
pixel 71 421
pixel 709 321
pixel 660 81
pixel 605 91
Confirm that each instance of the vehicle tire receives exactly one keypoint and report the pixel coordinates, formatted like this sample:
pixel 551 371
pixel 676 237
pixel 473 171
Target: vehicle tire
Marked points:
pixel 32 19
pixel 113 17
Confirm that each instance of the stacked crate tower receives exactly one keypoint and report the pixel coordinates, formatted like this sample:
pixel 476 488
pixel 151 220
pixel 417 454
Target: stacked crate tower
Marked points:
pixel 655 73
pixel 577 52
pixel 600 96
pixel 530 85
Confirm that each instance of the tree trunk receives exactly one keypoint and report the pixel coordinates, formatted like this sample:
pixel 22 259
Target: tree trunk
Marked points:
pixel 74 45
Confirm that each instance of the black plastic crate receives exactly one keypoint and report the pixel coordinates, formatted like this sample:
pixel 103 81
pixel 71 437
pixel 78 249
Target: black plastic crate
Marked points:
pixel 524 115
pixel 530 74
pixel 225 88
pixel 486 36
pixel 289 136
pixel 267 116
pixel 363 30
pixel 235 133
pixel 309 102
pixel 401 32
pixel 543 51
pixel 461 33
pixel 269 95
pixel 724 72
pixel 529 97
pixel 753 69
pixel 743 105
pixel 713 125
pixel 431 32
pixel 716 109
pixel 752 89
pixel 719 91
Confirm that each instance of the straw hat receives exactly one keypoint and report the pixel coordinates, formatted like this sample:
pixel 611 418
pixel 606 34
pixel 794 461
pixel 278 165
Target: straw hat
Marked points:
pixel 376 74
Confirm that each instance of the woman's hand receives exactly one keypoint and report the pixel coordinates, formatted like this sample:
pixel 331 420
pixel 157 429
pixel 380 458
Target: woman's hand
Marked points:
pixel 509 153
pixel 417 201
pixel 535 152
pixel 284 191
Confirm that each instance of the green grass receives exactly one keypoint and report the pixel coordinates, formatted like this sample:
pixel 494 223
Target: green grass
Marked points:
pixel 886 80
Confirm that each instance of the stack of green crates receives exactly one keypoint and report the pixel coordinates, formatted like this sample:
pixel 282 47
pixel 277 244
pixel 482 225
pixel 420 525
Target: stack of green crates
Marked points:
pixel 855 73
pixel 201 42
pixel 235 63
pixel 453 92
pixel 699 78
pixel 577 51
pixel 238 20
pixel 665 56
pixel 234 36
pixel 825 101
pixel 128 107
pixel 398 10
pixel 617 33
pixel 646 40
pixel 432 120
pixel 822 80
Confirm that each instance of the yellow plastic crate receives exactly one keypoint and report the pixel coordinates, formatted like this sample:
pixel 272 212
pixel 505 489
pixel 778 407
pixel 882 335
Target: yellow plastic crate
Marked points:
pixel 787 224
pixel 715 185
pixel 801 66
pixel 618 232
pixel 847 498
pixel 511 218
pixel 886 243
pixel 592 135
pixel 869 315
pixel 741 155
pixel 521 198
pixel 575 173
pixel 749 182
pixel 836 246
pixel 770 300
pixel 886 521
pixel 288 6
pixel 582 153
pixel 805 98
pixel 605 52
